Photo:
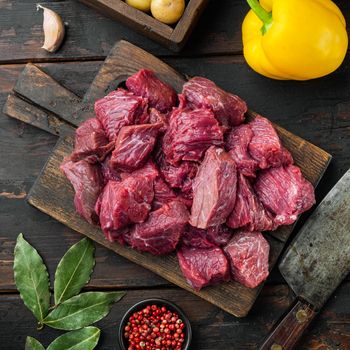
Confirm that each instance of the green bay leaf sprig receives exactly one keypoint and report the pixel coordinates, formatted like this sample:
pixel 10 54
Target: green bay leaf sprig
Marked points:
pixel 71 311
pixel 33 344
pixel 82 310
pixel 74 270
pixel 32 279
pixel 81 339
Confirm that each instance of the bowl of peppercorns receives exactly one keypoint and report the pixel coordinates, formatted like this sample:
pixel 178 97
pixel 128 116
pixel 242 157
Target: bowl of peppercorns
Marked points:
pixel 155 324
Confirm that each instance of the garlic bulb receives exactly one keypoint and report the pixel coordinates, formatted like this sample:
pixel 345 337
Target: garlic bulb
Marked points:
pixel 54 29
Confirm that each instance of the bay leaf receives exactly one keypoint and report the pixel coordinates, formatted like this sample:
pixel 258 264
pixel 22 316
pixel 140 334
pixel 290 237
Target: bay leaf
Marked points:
pixel 32 279
pixel 82 339
pixel 74 270
pixel 82 310
pixel 33 344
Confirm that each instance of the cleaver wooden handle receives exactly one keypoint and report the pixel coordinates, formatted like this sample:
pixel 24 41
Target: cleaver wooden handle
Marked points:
pixel 290 329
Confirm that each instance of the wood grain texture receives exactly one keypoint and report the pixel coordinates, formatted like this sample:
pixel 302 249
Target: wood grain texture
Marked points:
pixel 213 329
pixel 291 328
pixel 173 37
pixel 42 90
pixel 17 108
pixel 45 192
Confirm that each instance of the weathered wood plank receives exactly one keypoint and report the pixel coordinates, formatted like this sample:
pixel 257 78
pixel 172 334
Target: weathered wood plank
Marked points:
pixel 91 35
pixel 42 90
pixel 26 112
pixel 212 328
pixel 173 37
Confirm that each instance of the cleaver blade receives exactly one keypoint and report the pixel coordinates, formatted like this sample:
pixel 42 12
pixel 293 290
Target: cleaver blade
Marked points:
pixel 314 265
pixel 319 257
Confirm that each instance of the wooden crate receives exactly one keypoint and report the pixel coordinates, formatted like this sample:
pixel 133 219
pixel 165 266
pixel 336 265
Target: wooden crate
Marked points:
pixel 173 37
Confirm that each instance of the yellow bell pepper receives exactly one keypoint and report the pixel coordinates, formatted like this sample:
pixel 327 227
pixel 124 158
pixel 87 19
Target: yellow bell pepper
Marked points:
pixel 294 39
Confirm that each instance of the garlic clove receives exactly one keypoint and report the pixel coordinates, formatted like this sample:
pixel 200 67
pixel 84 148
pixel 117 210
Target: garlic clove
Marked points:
pixel 54 29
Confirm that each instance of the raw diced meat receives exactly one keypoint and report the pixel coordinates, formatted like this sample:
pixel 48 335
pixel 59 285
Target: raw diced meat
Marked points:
pixel 108 173
pixel 214 189
pixel 156 117
pixel 265 145
pixel 214 236
pixel 117 235
pixel 180 176
pixel 285 192
pixel 196 237
pixel 219 235
pixel 161 233
pixel 203 267
pixel 149 170
pixel 159 94
pixel 248 254
pixel 133 146
pixel 237 142
pixel 87 183
pixel 229 109
pixel 249 211
pixel 91 142
pixel 190 134
pixel 162 193
pixel 182 101
pixel 120 108
pixel 125 202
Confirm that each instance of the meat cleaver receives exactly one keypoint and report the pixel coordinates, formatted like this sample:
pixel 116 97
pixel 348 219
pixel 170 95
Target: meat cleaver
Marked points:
pixel 314 264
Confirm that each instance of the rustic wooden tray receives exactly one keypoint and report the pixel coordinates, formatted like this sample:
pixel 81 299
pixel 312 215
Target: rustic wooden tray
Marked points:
pixel 41 101
pixel 173 37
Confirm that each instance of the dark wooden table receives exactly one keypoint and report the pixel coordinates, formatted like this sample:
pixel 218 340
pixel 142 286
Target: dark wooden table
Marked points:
pixel 318 111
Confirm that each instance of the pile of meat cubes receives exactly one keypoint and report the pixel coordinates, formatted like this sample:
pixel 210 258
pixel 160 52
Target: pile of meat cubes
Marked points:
pixel 162 172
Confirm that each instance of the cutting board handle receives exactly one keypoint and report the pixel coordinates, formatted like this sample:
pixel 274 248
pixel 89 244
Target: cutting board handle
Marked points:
pixel 290 329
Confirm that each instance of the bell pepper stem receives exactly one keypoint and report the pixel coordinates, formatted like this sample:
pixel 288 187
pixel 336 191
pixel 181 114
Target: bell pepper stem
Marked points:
pixel 264 16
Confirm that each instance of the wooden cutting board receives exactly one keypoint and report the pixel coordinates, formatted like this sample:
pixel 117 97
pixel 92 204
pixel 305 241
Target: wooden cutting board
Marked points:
pixel 41 101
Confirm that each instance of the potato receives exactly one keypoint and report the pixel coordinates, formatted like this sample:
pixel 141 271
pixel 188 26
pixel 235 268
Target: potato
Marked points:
pixel 143 5
pixel 167 11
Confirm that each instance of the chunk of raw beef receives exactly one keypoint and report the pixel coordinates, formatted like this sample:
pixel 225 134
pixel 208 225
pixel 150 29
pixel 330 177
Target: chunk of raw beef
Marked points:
pixel 196 238
pixel 87 183
pixel 248 254
pixel 159 94
pixel 219 235
pixel 91 142
pixel 248 211
pixel 133 146
pixel 214 236
pixel 285 192
pixel 190 134
pixel 109 173
pixel 265 145
pixel 125 202
pixel 237 142
pixel 149 170
pixel 120 108
pixel 155 117
pixel 203 267
pixel 178 177
pixel 214 189
pixel 229 109
pixel 161 233
pixel 162 193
